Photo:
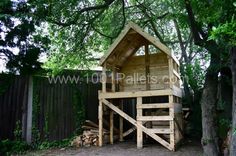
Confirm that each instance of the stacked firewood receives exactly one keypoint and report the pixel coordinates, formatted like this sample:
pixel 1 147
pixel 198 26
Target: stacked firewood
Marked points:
pixel 89 136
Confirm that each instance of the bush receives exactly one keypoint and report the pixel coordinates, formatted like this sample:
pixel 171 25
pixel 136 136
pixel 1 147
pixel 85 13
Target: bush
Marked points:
pixel 8 147
pixel 53 144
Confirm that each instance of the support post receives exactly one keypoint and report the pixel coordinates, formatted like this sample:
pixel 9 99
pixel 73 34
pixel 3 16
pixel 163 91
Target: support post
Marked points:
pixel 29 111
pixel 170 64
pixel 100 118
pixel 171 111
pixel 121 123
pixel 147 68
pixel 104 79
pixel 139 128
pixel 111 126
pixel 111 111
pixel 113 79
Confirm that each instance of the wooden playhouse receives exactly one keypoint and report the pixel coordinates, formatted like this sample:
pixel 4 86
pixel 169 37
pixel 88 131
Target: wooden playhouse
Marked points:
pixel 143 69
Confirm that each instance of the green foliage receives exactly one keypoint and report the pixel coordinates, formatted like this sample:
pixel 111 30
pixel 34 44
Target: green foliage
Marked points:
pixel 53 144
pixel 35 113
pixel 8 147
pixel 18 131
pixel 225 33
pixel 195 75
pixel 79 111
pixel 16 146
pixel 18 48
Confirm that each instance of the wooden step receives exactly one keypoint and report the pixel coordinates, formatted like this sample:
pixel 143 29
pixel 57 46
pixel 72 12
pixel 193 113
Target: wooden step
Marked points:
pixel 154 118
pixel 160 130
pixel 154 106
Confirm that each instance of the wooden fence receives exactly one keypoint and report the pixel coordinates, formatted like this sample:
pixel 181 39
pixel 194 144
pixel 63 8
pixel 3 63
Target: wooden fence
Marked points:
pixel 57 108
pixel 13 97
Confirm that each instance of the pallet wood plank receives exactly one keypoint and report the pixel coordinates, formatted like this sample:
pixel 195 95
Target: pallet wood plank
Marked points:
pixel 111 126
pixel 100 118
pixel 121 124
pixel 155 118
pixel 172 128
pixel 161 130
pixel 111 95
pixel 129 131
pixel 139 128
pixel 154 106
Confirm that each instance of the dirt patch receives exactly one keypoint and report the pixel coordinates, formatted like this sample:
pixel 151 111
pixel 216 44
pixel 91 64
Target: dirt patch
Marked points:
pixel 124 149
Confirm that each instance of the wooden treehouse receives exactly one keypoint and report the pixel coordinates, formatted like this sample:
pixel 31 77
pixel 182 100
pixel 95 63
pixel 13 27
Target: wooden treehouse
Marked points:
pixel 143 69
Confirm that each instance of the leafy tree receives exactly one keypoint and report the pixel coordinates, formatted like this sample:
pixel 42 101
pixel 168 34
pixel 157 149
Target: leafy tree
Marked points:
pixel 20 47
pixel 225 33
pixel 203 17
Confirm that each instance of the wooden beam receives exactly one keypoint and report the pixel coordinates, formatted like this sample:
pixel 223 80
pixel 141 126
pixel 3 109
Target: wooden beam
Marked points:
pixel 111 126
pixel 113 79
pixel 161 131
pixel 121 122
pixel 176 74
pixel 132 121
pixel 100 117
pixel 147 67
pixel 129 131
pixel 104 78
pixel 139 122
pixel 110 95
pixel 111 111
pixel 155 118
pixel 172 128
pixel 170 66
pixel 154 106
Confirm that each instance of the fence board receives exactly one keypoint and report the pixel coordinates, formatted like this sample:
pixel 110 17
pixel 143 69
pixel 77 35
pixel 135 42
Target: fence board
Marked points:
pixel 11 103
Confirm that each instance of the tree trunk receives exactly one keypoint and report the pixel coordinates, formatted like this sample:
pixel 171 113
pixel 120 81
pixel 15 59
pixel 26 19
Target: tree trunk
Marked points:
pixel 233 138
pixel 208 105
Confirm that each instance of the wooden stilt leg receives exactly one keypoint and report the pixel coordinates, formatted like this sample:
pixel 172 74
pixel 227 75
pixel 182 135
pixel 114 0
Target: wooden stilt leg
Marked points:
pixel 172 135
pixel 139 129
pixel 100 117
pixel 121 124
pixel 111 126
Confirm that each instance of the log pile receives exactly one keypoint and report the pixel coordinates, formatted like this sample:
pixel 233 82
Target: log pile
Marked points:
pixel 89 136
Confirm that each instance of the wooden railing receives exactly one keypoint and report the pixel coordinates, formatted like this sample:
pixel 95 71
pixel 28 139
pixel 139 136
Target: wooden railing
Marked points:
pixel 133 94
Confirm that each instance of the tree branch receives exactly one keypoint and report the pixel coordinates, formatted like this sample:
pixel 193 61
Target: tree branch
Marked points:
pixel 143 9
pixel 87 9
pixel 196 31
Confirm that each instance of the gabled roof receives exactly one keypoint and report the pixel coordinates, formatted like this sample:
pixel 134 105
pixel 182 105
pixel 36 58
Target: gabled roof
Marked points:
pixel 131 44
